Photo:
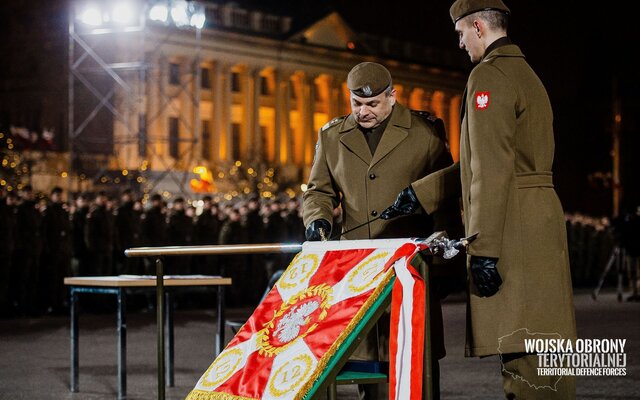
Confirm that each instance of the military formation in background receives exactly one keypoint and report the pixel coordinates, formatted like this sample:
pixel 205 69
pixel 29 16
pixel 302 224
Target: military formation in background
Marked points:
pixel 43 239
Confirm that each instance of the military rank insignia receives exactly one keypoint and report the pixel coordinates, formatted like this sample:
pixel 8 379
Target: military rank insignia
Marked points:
pixel 482 100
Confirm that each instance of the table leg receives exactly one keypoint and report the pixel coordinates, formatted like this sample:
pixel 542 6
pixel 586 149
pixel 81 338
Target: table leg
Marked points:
pixel 122 345
pixel 160 323
pixel 220 324
pixel 73 382
pixel 169 343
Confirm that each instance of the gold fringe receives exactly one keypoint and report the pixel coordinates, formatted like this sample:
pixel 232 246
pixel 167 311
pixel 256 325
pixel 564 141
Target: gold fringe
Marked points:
pixel 197 394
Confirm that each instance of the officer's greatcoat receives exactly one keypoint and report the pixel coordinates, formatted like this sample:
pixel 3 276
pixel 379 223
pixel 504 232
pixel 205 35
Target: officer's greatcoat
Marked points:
pixel 345 172
pixel 506 154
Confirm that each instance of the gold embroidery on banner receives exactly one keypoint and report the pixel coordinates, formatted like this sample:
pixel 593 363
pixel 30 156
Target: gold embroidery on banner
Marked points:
pixel 324 291
pixel 298 375
pixel 322 363
pixel 319 368
pixel 223 367
pixel 298 271
pixel 362 270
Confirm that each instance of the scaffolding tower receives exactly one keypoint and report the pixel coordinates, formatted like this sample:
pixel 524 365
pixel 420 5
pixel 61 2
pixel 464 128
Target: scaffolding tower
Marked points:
pixel 113 54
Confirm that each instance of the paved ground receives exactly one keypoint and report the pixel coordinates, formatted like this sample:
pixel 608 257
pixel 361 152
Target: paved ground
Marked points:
pixel 34 354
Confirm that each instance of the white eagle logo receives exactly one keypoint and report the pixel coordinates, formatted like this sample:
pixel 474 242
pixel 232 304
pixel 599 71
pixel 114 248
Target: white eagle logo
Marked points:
pixel 482 100
pixel 289 326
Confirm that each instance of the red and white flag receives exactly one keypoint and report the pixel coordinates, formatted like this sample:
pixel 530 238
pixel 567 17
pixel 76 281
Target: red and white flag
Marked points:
pixel 286 344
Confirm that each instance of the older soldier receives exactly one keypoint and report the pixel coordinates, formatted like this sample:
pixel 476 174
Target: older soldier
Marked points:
pixel 362 160
pixel 519 267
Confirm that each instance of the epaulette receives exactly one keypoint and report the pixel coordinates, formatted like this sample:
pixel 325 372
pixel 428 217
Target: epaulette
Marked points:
pixel 333 122
pixel 425 115
pixel 434 121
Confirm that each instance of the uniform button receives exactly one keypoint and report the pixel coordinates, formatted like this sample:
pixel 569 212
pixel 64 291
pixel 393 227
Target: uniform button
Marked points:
pixel 374 213
pixel 372 176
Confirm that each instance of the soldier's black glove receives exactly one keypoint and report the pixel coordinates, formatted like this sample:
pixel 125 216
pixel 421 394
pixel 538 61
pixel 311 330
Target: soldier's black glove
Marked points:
pixel 318 230
pixel 485 275
pixel 406 204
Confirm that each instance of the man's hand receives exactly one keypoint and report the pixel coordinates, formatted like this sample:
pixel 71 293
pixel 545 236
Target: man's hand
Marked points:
pixel 485 275
pixel 318 230
pixel 406 204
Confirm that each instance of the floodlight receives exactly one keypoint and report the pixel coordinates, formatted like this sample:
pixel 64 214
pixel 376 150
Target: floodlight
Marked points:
pixel 122 13
pixel 91 16
pixel 197 20
pixel 159 12
pixel 179 13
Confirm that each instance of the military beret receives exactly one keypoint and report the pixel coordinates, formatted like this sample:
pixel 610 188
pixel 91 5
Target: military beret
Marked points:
pixel 462 8
pixel 368 79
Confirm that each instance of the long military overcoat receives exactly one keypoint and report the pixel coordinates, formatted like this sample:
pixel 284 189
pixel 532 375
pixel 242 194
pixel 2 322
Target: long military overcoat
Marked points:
pixel 345 172
pixel 506 155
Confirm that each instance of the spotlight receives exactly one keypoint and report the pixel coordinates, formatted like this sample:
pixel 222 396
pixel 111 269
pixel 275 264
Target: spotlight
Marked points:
pixel 197 19
pixel 91 16
pixel 122 13
pixel 159 12
pixel 179 13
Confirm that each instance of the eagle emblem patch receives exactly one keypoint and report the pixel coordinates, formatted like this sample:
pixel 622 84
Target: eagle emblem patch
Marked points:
pixel 482 100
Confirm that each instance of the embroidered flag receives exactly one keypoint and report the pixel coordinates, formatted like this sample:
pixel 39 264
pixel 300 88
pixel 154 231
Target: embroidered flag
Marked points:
pixel 290 338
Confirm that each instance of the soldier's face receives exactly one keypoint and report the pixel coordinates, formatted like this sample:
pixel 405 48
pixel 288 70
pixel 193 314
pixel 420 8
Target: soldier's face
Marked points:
pixel 369 112
pixel 468 39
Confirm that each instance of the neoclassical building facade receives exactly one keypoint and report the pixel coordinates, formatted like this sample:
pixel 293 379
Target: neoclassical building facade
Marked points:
pixel 250 88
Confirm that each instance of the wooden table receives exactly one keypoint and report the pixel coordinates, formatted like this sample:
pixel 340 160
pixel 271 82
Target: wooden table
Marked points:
pixel 117 285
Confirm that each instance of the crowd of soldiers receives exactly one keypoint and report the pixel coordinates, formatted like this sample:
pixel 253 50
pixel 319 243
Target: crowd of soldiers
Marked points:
pixel 44 239
pixel 592 243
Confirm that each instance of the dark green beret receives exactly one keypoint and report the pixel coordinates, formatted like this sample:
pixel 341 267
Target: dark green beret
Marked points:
pixel 368 79
pixel 462 8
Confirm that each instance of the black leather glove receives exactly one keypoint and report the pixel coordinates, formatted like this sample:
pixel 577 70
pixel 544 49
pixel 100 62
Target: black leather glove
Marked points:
pixel 406 204
pixel 485 275
pixel 317 230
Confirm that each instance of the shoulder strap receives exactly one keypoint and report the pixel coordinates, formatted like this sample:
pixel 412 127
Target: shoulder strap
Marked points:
pixel 434 121
pixel 333 122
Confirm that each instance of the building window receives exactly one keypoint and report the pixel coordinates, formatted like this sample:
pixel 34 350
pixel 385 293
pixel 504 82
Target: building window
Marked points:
pixel 142 133
pixel 265 142
pixel 174 74
pixel 317 92
pixel 236 131
pixel 174 137
pixel 264 86
pixel 206 139
pixel 293 92
pixel 205 78
pixel 236 87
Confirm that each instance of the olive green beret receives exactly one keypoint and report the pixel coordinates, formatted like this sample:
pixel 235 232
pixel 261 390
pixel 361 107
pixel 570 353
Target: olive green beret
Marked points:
pixel 368 79
pixel 462 8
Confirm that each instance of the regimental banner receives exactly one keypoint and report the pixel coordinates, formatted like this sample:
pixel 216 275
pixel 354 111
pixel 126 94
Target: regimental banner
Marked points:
pixel 327 289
